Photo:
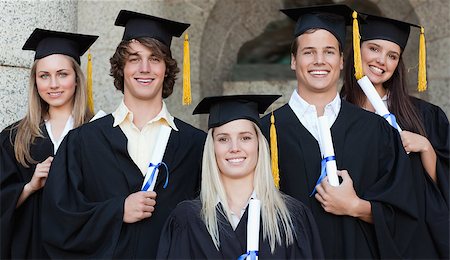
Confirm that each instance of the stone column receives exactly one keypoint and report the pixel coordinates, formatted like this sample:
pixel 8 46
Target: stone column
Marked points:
pixel 17 20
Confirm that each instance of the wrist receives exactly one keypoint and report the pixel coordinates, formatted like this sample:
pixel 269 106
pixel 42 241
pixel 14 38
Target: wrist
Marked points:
pixel 28 189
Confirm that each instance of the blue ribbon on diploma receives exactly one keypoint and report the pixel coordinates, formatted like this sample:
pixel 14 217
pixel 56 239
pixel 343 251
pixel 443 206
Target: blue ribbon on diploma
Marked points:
pixel 393 120
pixel 323 171
pixel 252 254
pixel 152 176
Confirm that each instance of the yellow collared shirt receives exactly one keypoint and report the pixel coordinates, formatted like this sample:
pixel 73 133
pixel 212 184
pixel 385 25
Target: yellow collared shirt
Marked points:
pixel 141 142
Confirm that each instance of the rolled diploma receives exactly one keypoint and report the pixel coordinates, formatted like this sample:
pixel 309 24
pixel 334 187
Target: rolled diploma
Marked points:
pixel 326 146
pixel 375 99
pixel 157 155
pixel 254 211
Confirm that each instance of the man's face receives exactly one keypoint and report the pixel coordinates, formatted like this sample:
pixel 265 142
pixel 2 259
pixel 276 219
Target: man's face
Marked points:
pixel 318 62
pixel 143 74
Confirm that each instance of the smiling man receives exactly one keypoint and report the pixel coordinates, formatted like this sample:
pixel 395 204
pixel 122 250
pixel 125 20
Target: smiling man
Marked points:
pixel 117 178
pixel 355 219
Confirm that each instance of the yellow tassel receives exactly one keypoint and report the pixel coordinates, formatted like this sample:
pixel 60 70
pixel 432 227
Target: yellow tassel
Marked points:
pixel 186 72
pixel 274 152
pixel 422 76
pixel 90 98
pixel 356 47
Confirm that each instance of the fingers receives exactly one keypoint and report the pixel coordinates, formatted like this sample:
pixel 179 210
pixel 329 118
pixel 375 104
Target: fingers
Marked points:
pixel 139 205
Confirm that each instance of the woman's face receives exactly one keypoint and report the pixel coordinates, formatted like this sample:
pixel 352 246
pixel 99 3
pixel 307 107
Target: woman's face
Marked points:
pixel 236 148
pixel 56 80
pixel 379 60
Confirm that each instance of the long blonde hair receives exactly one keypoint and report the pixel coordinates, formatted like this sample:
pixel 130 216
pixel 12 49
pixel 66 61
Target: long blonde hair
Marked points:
pixel 28 129
pixel 276 219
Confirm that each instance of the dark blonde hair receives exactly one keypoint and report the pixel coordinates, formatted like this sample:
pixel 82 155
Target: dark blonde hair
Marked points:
pixel 158 49
pixel 28 129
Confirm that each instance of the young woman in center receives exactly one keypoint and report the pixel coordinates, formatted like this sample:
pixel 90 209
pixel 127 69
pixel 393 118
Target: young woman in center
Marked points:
pixel 236 169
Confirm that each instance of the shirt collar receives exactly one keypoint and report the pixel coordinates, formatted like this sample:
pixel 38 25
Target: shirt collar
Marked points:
pixel 122 113
pixel 252 196
pixel 298 104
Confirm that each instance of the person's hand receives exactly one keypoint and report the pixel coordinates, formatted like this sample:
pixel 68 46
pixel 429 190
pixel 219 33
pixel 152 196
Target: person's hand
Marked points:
pixel 415 143
pixel 138 206
pixel 40 175
pixel 340 200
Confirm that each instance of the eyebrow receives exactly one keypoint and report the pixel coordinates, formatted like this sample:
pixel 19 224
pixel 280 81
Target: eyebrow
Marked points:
pixel 314 48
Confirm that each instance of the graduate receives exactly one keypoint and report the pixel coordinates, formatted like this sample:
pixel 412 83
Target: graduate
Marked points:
pixel 370 214
pixel 115 180
pixel 425 127
pixel 236 176
pixel 57 102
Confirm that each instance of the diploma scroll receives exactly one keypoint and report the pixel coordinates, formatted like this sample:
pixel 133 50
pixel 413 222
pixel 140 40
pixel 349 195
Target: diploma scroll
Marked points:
pixel 375 99
pixel 254 211
pixel 327 150
pixel 157 155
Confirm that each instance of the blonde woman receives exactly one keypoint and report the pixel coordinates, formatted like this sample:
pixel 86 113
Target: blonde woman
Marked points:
pixel 236 169
pixel 57 102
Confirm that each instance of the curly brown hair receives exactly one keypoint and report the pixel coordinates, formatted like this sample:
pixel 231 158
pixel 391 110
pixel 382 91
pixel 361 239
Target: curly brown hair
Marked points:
pixel 158 49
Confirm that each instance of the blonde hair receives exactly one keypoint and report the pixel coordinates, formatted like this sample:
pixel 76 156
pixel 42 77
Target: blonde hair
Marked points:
pixel 276 219
pixel 28 129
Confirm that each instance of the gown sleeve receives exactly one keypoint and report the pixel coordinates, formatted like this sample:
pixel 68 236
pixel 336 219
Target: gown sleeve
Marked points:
pixel 11 186
pixel 393 212
pixel 73 225
pixel 437 129
pixel 184 235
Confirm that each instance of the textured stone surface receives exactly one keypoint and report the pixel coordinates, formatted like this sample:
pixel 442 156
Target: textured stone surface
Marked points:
pixel 13 94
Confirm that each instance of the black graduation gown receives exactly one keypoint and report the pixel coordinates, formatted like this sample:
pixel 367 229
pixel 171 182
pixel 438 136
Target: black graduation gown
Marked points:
pixel 90 178
pixel 437 129
pixel 370 150
pixel 432 237
pixel 185 236
pixel 20 228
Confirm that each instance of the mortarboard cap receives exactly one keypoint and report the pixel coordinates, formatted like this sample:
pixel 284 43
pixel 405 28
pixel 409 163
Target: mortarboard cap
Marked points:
pixel 378 27
pixel 332 18
pixel 46 42
pixel 142 25
pixel 224 109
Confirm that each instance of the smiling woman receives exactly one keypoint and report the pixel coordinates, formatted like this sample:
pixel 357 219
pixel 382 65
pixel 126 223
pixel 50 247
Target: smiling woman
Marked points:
pixel 236 174
pixel 57 102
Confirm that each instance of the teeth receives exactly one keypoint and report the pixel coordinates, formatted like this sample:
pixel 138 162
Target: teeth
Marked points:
pixel 145 80
pixel 319 72
pixel 377 70
pixel 235 160
pixel 55 94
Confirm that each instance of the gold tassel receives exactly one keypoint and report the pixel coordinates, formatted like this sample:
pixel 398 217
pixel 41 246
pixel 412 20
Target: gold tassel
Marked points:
pixel 356 47
pixel 422 76
pixel 90 98
pixel 274 152
pixel 186 72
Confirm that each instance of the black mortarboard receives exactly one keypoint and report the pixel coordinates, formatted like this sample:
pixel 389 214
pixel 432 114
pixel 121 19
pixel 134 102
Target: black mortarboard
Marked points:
pixel 224 109
pixel 378 27
pixel 45 43
pixel 142 25
pixel 318 17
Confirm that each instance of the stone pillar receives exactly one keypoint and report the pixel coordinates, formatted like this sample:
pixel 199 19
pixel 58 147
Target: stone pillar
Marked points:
pixel 17 20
